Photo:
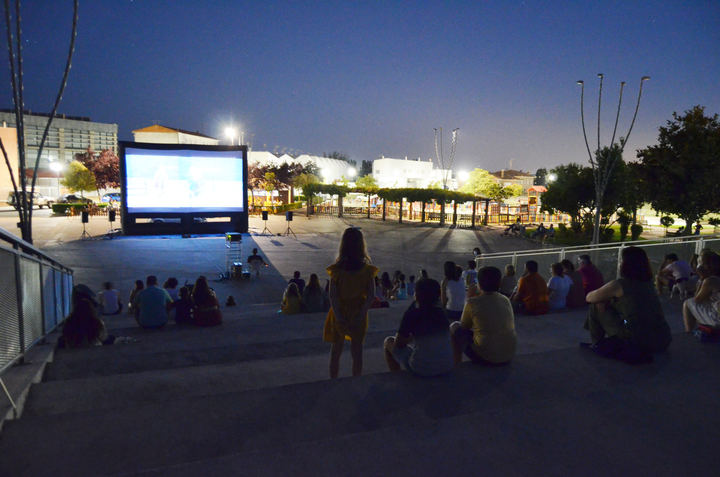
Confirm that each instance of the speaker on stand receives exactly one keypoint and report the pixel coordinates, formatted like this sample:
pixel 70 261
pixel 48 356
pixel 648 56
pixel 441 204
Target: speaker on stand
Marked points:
pixel 111 218
pixel 288 219
pixel 266 230
pixel 85 218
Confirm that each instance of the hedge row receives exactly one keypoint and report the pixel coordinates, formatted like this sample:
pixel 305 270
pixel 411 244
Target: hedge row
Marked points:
pixel 61 209
pixel 393 195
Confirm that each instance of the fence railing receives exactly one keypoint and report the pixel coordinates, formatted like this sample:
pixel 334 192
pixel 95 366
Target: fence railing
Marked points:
pixel 605 256
pixel 35 295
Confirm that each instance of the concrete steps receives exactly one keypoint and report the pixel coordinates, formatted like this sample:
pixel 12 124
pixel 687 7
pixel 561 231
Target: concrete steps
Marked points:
pixel 562 403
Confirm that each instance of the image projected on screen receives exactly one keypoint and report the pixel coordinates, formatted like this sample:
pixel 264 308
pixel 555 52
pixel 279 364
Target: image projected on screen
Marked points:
pixel 184 181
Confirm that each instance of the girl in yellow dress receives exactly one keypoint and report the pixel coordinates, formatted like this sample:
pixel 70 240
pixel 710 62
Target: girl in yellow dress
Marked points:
pixel 352 290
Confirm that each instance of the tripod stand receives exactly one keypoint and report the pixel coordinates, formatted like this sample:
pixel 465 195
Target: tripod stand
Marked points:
pixel 85 235
pixel 289 230
pixel 266 229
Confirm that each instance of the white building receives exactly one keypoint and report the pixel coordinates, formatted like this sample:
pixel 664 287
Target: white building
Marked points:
pixel 158 134
pixel 395 173
pixel 329 170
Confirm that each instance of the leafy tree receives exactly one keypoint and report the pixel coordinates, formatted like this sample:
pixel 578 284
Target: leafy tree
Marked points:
pixel 571 192
pixel 79 178
pixel 514 190
pixel 480 182
pixel 270 184
pixel 666 222
pixel 366 182
pixel 540 177
pixel 683 166
pixel 105 167
pixel 365 168
pixel 634 189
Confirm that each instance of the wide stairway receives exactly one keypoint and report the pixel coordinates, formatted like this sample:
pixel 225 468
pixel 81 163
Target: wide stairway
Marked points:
pixel 252 398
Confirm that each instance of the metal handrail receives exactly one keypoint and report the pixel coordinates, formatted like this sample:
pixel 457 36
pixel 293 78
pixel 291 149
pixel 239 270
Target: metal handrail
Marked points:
pixel 610 245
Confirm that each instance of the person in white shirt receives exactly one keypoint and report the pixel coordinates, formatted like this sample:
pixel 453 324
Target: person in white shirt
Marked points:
pixel 109 299
pixel 673 271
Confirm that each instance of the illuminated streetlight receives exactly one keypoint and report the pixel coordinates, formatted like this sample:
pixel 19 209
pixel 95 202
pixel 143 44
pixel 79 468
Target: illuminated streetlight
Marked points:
pixel 231 133
pixel 325 173
pixel 56 167
pixel 463 176
pixel 552 177
pixel 351 172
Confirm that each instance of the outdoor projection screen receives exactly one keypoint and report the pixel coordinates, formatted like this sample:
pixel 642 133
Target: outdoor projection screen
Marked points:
pixel 184 179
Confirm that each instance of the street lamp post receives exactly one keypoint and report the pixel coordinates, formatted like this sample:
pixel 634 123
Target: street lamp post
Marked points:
pixel 56 167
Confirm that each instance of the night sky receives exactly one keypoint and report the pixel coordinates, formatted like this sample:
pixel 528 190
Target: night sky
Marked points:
pixel 372 78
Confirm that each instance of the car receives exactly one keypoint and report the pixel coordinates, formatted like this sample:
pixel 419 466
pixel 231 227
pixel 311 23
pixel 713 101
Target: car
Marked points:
pixel 38 199
pixel 111 197
pixel 73 199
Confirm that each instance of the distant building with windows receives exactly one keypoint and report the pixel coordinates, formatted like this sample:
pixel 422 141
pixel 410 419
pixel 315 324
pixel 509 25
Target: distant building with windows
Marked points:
pixel 506 177
pixel 67 136
pixel 395 173
pixel 158 134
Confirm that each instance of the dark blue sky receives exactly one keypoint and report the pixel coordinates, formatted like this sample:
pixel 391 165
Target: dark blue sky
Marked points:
pixel 372 78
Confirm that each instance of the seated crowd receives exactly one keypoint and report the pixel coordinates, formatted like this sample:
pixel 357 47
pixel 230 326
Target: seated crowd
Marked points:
pixel 152 306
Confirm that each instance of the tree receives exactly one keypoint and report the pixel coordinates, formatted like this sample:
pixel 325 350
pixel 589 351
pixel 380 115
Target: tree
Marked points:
pixel 634 189
pixel 15 54
pixel 683 166
pixel 540 177
pixel 514 190
pixel 480 182
pixel 366 182
pixel 571 192
pixel 366 168
pixel 105 167
pixel 270 184
pixel 79 178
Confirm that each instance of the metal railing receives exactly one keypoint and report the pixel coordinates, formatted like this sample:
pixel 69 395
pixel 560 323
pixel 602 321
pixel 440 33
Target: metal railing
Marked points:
pixel 605 256
pixel 35 295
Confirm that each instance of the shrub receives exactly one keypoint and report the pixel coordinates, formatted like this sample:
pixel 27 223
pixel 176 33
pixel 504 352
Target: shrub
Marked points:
pixel 635 231
pixel 606 234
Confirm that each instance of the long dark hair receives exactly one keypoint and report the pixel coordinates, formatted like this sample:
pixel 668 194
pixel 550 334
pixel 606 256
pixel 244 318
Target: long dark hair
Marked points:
pixel 635 265
pixel 450 270
pixel 201 291
pixel 83 324
pixel 313 283
pixel 352 254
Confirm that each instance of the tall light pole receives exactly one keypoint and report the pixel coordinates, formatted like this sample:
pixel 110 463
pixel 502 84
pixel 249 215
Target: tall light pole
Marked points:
pixel 56 167
pixel 231 133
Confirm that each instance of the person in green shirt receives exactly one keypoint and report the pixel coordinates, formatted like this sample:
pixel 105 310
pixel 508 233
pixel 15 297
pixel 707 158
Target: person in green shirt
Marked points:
pixel 626 320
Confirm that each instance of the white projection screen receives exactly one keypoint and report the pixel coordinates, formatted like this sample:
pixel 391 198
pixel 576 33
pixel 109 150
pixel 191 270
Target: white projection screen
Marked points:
pixel 184 180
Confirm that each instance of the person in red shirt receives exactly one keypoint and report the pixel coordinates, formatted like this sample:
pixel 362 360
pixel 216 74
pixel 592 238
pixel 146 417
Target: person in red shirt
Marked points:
pixel 531 295
pixel 591 276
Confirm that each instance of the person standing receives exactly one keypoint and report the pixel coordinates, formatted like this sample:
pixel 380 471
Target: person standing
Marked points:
pixel 351 295
pixel 255 261
pixel 152 304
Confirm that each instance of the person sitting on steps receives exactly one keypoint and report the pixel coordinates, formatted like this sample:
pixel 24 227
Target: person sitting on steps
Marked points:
pixel 625 319
pixel 422 342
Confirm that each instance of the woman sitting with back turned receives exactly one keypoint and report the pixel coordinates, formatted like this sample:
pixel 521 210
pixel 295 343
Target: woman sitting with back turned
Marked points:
pixel 83 327
pixel 291 302
pixel 206 308
pixel 703 310
pixel 314 298
pixel 626 320
pixel 352 291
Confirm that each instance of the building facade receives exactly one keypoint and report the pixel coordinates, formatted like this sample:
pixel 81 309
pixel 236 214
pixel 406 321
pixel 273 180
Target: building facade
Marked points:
pixel 506 177
pixel 158 134
pixel 67 136
pixel 395 173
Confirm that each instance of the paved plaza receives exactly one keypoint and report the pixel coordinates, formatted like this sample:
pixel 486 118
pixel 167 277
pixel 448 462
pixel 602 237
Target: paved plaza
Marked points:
pixel 251 397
